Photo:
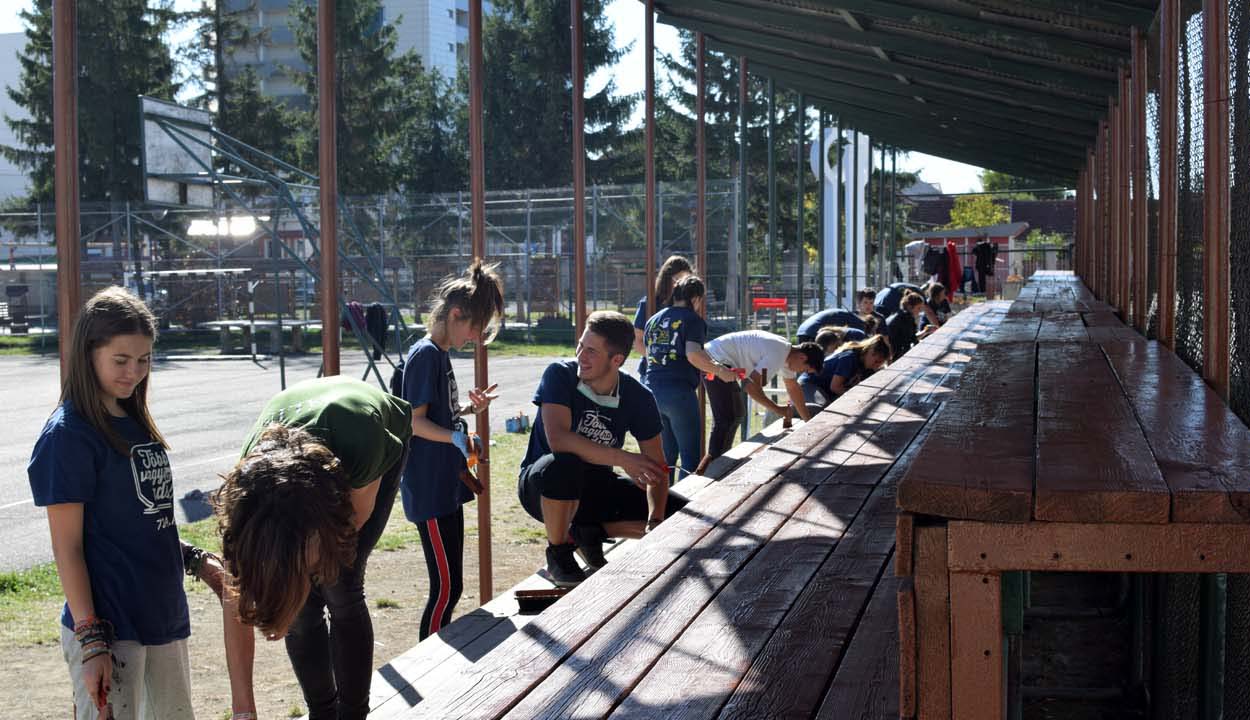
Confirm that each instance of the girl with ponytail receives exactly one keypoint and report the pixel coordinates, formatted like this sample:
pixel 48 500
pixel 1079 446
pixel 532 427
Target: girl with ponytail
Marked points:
pixel 436 483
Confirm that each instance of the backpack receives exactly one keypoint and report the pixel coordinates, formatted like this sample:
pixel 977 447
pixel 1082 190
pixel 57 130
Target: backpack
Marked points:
pixel 934 259
pixel 397 375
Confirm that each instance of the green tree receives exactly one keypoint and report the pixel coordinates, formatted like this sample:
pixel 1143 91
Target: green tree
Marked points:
pixel 369 92
pixel 122 55
pixel 879 209
pixel 528 95
pixel 1020 188
pixel 432 147
pixel 977 211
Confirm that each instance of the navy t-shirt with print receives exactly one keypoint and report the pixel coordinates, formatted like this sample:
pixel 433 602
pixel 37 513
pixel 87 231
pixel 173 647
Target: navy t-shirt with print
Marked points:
pixel 846 365
pixel 431 485
pixel 640 323
pixel 130 541
pixel 832 316
pixel 635 414
pixel 667 333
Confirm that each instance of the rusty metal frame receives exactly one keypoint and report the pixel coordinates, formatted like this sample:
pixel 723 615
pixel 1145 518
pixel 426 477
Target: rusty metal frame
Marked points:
pixel 579 168
pixel 1215 252
pixel 649 62
pixel 1169 39
pixel 1137 119
pixel 328 182
pixel 65 139
pixel 481 374
pixel 700 200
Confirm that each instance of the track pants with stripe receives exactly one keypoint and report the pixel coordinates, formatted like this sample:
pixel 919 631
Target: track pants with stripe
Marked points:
pixel 442 539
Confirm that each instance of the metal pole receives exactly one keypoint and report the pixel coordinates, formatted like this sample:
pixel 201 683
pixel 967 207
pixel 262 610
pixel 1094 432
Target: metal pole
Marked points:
pixel 594 232
pixel 65 140
pixel 894 206
pixel 882 255
pixel 579 172
pixel 856 234
pixel 801 119
pixel 772 187
pixel 328 164
pixel 743 179
pixel 477 186
pixel 649 62
pixel 820 208
pixel 700 199
pixel 843 228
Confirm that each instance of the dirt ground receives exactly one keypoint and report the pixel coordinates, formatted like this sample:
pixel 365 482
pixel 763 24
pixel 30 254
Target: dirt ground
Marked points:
pixel 36 681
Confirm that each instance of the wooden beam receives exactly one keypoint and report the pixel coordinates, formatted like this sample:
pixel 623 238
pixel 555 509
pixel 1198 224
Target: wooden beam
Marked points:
pixel 1097 547
pixel 978 688
pixel 1215 250
pixel 327 164
pixel 1169 38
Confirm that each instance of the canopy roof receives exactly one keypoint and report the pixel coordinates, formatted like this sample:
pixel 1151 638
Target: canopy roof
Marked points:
pixel 1019 87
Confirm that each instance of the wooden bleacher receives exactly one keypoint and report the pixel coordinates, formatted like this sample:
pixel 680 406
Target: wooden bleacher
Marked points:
pixel 769 595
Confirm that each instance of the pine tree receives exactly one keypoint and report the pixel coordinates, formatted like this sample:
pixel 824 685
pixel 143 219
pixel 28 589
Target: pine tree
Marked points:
pixel 528 95
pixel 432 146
pixel 369 92
pixel 122 55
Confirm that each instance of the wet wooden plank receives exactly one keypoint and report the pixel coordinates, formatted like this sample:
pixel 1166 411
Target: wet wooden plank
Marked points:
pixel 977 683
pixel 1017 327
pixel 977 462
pixel 1062 327
pixel 1093 462
pixel 933 652
pixel 1201 446
pixel 866 686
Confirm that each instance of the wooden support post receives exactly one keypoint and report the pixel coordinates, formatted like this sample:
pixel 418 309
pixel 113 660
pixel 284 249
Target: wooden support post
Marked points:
pixel 933 636
pixel 977 687
pixel 481 374
pixel 743 181
pixel 1215 251
pixel 772 187
pixel 65 140
pixel 1125 192
pixel 1169 28
pixel 1137 120
pixel 821 219
pixel 327 151
pixel 579 169
pixel 1115 199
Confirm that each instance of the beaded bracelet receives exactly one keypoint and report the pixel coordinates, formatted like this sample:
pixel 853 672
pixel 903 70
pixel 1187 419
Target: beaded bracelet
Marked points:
pixel 192 559
pixel 94 635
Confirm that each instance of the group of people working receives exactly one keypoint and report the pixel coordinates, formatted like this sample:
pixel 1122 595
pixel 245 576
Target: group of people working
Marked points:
pixel 310 496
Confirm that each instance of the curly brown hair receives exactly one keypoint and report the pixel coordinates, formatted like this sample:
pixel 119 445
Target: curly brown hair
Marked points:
pixel 285 517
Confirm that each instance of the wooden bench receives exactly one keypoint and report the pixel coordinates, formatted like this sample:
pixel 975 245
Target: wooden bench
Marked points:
pixel 768 595
pixel 1085 448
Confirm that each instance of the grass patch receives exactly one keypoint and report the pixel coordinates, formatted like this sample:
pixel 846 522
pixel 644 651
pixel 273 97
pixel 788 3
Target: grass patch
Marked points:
pixel 30 602
pixel 387 604
pixel 530 535
pixel 202 534
pixel 26 344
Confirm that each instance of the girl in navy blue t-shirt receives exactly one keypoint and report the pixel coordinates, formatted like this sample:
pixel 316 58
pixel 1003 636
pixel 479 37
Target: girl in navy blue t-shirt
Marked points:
pixel 846 367
pixel 436 482
pixel 675 357
pixel 101 469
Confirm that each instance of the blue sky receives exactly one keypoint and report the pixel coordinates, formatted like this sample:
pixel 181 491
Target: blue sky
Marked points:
pixel 627 16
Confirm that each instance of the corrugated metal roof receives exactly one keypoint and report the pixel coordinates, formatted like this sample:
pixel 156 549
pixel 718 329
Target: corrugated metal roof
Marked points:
pixel 1015 86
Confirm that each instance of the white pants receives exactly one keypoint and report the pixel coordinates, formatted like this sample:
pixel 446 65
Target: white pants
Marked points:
pixel 150 682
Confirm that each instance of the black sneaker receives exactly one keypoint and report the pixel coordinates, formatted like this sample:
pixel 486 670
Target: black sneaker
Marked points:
pixel 563 567
pixel 589 540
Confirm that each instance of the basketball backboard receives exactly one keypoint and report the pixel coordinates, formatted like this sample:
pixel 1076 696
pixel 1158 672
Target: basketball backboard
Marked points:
pixel 177 153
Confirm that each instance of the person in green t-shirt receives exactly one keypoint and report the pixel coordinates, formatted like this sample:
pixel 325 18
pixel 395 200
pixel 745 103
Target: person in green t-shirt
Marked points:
pixel 299 515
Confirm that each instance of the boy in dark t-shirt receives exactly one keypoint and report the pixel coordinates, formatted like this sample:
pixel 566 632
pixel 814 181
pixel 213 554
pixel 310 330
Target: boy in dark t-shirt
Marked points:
pixel 567 479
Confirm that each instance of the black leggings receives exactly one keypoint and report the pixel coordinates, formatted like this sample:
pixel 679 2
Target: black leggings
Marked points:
pixel 728 410
pixel 442 539
pixel 334 663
